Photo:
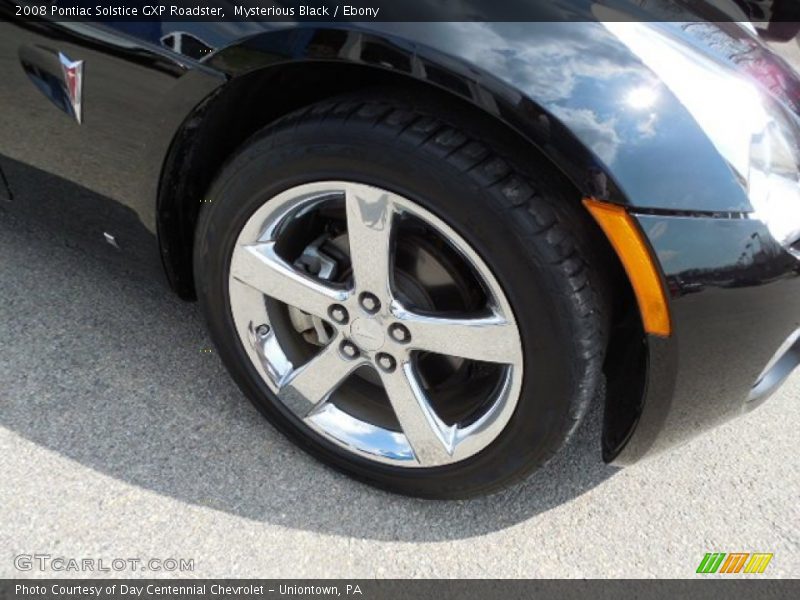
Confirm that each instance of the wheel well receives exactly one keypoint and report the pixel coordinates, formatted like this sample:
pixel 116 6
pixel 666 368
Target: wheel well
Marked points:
pixel 222 123
pixel 225 120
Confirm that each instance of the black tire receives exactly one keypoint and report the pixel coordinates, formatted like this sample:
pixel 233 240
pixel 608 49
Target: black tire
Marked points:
pixel 505 200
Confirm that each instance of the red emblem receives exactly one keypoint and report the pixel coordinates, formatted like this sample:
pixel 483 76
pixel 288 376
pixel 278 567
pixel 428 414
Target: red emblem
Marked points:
pixel 73 80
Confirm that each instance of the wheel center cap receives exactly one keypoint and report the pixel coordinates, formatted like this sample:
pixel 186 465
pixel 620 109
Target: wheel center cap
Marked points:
pixel 367 333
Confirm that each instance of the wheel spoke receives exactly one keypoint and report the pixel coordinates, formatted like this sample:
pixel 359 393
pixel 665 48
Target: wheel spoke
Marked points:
pixel 490 339
pixel 260 267
pixel 369 230
pixel 431 439
pixel 308 387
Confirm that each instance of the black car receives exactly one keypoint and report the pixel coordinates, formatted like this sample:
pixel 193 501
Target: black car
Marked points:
pixel 421 248
pixel 777 20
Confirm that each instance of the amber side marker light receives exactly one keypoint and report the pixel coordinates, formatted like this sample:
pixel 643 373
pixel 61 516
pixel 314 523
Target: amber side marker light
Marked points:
pixel 629 244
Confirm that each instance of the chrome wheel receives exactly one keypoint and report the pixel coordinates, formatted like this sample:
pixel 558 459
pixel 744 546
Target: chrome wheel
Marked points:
pixel 375 324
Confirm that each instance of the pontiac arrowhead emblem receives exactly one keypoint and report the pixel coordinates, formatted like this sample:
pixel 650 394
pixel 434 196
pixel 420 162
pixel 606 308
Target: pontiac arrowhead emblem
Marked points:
pixel 73 80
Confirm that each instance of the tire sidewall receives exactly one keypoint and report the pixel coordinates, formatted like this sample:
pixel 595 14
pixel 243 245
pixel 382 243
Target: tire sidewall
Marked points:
pixel 539 294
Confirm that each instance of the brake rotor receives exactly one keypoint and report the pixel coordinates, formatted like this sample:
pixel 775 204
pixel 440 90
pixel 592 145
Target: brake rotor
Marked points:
pixel 425 277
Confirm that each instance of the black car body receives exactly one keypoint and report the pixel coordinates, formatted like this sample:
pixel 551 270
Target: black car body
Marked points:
pixel 647 116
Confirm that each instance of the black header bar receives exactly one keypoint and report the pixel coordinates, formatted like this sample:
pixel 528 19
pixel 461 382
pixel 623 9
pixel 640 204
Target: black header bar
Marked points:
pixel 761 11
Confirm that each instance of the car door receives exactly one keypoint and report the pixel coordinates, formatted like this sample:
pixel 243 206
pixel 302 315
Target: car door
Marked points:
pixel 88 113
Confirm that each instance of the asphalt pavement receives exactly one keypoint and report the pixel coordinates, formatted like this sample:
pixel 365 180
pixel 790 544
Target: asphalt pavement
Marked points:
pixel 121 436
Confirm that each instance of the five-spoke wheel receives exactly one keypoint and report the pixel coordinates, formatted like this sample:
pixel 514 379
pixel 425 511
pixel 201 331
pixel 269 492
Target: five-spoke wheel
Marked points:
pixel 401 298
pixel 372 324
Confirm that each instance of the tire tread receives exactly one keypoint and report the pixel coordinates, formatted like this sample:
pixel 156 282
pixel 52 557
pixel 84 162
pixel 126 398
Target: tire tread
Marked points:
pixel 538 211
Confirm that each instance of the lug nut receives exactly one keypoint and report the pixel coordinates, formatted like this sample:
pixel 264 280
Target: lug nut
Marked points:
pixel 338 313
pixel 386 362
pixel 370 303
pixel 262 331
pixel 348 349
pixel 400 333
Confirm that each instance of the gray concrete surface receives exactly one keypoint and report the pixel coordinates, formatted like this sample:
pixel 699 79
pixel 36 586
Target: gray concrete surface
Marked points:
pixel 120 437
